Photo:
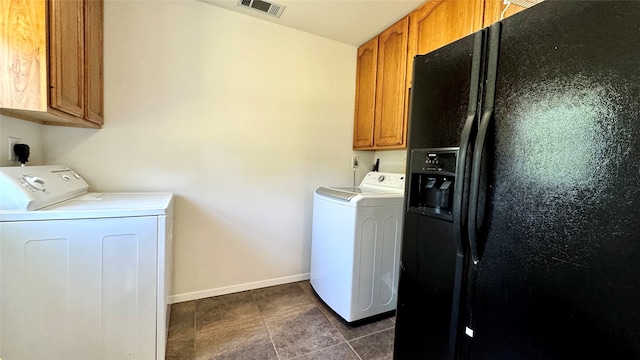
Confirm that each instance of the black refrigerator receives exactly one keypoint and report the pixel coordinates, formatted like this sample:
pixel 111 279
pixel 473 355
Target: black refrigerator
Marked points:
pixel 522 223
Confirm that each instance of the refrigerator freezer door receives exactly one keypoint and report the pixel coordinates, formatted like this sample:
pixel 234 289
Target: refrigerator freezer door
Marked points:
pixel 442 112
pixel 440 95
pixel 559 271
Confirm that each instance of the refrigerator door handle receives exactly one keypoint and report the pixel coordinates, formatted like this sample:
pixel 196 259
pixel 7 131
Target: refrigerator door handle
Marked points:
pixel 468 132
pixel 485 122
pixel 459 184
pixel 474 191
pixel 469 126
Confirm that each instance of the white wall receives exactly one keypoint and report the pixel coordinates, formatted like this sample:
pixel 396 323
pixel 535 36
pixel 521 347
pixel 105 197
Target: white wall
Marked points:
pixel 30 133
pixel 240 118
pixel 392 160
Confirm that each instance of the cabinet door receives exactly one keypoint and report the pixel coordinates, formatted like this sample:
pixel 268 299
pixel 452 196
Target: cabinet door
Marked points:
pixel 495 10
pixel 93 16
pixel 67 56
pixel 23 55
pixel 365 94
pixel 389 124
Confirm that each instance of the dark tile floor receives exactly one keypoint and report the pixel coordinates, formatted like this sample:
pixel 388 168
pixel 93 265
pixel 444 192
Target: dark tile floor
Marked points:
pixel 280 322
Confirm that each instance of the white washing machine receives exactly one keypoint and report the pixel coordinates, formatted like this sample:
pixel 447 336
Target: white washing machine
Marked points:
pixel 82 275
pixel 355 250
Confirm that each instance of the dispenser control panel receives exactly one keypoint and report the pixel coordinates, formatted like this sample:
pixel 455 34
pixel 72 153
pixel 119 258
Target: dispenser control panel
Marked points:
pixel 432 178
pixel 434 160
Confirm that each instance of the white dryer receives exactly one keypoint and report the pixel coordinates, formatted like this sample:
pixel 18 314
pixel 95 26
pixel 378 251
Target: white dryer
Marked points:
pixel 82 275
pixel 355 250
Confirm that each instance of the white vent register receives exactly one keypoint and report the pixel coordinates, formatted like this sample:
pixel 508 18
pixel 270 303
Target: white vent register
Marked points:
pixel 262 6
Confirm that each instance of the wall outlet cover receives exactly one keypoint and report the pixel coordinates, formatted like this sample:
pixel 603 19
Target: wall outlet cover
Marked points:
pixel 12 140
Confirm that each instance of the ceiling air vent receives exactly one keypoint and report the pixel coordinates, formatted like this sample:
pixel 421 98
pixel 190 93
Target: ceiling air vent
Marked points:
pixel 268 8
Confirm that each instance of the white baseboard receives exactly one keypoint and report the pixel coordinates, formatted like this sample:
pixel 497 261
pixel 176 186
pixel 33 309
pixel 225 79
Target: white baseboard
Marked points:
pixel 236 288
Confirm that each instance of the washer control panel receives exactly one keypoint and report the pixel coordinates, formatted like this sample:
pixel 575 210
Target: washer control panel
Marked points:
pixel 389 181
pixel 34 187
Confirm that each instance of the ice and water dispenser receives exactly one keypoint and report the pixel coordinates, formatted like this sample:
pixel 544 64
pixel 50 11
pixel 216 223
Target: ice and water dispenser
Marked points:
pixel 432 180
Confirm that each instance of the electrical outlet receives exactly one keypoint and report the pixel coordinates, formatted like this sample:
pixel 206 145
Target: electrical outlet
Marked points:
pixel 11 140
pixel 354 161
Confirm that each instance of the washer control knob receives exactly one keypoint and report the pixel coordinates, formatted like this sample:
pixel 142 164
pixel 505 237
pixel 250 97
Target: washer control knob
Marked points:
pixel 381 178
pixel 35 182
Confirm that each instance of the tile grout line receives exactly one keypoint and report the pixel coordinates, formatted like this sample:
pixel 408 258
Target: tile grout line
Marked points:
pixel 375 332
pixel 264 323
pixel 354 351
pixel 341 335
pixel 334 325
pixel 311 297
pixel 327 315
pixel 195 329
pixel 273 344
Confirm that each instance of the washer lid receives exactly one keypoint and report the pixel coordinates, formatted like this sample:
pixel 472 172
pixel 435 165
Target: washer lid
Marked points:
pixel 345 194
pixel 374 185
pixel 98 205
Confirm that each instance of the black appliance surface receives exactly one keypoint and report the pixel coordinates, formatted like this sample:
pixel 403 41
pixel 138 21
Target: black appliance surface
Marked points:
pixel 537 257
pixel 443 110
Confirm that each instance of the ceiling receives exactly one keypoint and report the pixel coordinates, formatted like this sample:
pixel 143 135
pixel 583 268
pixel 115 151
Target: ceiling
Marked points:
pixel 351 22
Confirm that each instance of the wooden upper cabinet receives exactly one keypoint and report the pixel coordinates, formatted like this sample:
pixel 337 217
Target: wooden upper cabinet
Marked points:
pixel 389 125
pixel 72 94
pixel 385 64
pixel 493 11
pixel 366 69
pixel 380 78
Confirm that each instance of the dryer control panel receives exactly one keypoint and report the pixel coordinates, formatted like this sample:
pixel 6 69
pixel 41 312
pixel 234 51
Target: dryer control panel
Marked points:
pixel 34 187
